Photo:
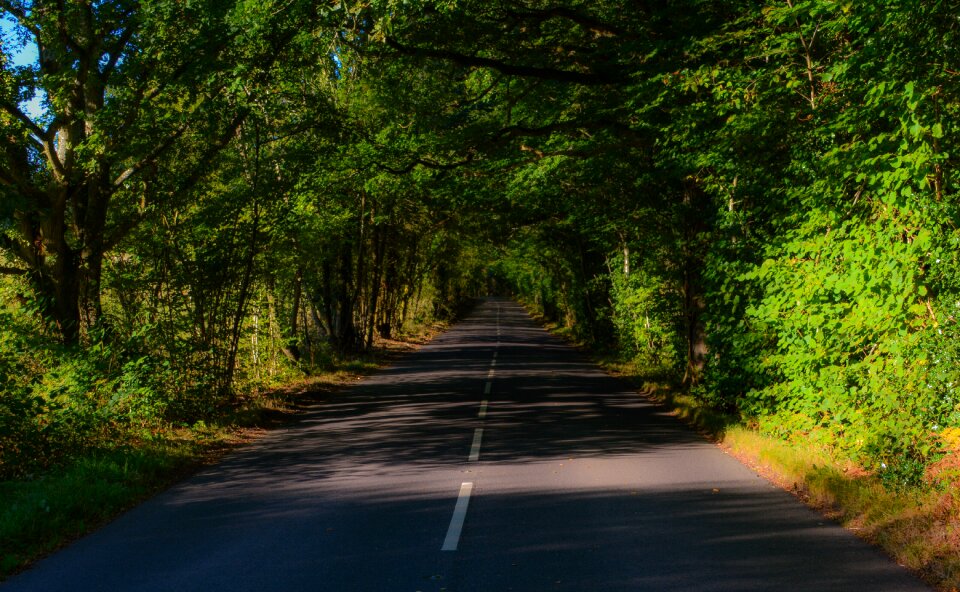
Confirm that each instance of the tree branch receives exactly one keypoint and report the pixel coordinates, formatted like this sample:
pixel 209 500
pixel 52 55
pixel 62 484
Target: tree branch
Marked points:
pixel 430 164
pixel 570 15
pixel 555 74
pixel 43 138
pixel 64 31
pixel 15 111
pixel 479 97
pixel 116 50
pixel 199 171
pixel 153 155
pixel 21 17
pixel 13 178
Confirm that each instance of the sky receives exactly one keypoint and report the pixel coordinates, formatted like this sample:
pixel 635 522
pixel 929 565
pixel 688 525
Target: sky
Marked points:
pixel 21 55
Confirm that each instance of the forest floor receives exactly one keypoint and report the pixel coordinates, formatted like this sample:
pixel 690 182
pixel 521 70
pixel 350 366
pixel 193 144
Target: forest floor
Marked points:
pixel 43 513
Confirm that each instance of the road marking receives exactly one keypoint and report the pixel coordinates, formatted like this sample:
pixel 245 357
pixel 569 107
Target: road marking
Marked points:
pixel 459 515
pixel 475 447
pixel 483 407
pixel 495 353
pixel 486 388
pixel 490 373
pixel 493 362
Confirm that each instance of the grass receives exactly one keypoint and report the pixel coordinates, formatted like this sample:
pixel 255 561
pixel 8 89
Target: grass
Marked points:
pixel 42 513
pixel 918 527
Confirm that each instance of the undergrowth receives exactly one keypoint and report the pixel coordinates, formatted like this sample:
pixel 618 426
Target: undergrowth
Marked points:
pixel 55 502
pixel 39 514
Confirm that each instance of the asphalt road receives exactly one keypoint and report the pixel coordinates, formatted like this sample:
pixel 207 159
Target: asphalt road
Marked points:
pixel 574 483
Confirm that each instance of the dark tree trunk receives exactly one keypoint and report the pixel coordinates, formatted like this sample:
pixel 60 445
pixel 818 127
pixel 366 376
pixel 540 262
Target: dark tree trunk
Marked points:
pixel 344 330
pixel 378 258
pixel 695 225
pixel 290 349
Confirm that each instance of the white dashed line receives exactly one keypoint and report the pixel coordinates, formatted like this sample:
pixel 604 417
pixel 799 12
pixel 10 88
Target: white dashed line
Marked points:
pixel 459 515
pixel 475 447
pixel 452 540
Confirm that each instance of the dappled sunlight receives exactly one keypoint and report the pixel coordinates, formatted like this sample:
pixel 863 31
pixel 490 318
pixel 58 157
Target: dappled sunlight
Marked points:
pixel 687 538
pixel 580 484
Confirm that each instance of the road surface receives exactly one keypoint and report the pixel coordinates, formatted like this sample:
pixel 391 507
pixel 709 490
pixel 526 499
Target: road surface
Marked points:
pixel 496 458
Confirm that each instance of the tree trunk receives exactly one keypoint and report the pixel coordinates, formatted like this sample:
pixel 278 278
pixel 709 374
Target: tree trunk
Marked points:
pixel 290 348
pixel 626 255
pixel 696 338
pixel 379 240
pixel 242 298
pixel 344 329
pixel 696 203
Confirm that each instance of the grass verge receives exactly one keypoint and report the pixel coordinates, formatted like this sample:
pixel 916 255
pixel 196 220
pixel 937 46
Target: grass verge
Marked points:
pixel 918 527
pixel 43 513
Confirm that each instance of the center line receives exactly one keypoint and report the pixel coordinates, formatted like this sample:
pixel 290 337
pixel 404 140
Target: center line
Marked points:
pixel 475 447
pixel 490 373
pixel 486 388
pixel 459 514
pixel 483 408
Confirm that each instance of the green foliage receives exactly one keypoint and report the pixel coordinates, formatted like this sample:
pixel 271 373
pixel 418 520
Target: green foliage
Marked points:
pixel 843 314
pixel 57 402
pixel 39 514
pixel 751 199
pixel 825 290
pixel 646 316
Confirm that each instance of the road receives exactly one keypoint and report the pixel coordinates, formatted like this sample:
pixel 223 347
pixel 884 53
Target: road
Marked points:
pixel 493 459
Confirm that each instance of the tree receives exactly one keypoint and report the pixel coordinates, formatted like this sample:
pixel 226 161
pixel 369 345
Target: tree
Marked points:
pixel 140 98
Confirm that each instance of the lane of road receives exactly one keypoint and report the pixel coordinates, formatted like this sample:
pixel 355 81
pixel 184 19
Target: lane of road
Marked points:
pixel 494 459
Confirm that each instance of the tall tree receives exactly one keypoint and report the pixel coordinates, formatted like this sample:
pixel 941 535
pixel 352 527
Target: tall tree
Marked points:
pixel 139 98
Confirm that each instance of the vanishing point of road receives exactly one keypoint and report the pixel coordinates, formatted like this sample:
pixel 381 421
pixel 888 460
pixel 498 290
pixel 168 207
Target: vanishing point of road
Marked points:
pixel 495 458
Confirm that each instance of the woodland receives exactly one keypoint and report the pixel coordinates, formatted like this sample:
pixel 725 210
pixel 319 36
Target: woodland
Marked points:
pixel 754 201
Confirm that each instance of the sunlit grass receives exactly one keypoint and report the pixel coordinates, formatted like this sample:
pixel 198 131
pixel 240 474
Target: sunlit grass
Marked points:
pixel 918 527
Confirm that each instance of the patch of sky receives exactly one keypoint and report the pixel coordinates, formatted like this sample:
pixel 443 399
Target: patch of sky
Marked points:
pixel 337 64
pixel 21 50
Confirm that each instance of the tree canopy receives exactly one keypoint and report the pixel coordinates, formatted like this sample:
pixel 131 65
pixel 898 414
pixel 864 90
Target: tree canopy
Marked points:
pixel 754 200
